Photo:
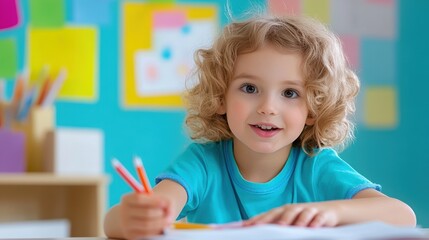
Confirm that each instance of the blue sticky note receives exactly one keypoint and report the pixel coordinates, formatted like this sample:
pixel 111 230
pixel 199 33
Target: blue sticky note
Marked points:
pixel 92 12
pixel 378 61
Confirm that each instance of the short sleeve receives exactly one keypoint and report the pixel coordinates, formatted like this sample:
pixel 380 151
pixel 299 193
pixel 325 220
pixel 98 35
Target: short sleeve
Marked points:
pixel 190 171
pixel 335 179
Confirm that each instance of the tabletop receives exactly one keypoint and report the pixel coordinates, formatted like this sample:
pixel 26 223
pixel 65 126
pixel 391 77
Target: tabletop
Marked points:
pixel 425 237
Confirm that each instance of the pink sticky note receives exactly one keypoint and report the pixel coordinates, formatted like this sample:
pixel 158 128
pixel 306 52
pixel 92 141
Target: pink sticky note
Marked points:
pixel 284 7
pixel 383 2
pixel 169 19
pixel 9 16
pixel 351 47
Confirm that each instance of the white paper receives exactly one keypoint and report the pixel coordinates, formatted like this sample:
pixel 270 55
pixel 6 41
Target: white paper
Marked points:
pixel 59 228
pixel 79 151
pixel 164 69
pixel 370 230
pixel 364 18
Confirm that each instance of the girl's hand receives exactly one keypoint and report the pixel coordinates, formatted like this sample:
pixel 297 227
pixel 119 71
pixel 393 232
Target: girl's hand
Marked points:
pixel 305 215
pixel 144 215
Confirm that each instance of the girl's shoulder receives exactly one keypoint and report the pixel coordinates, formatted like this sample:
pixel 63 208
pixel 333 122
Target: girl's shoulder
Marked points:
pixel 321 156
pixel 318 153
pixel 209 147
pixel 209 152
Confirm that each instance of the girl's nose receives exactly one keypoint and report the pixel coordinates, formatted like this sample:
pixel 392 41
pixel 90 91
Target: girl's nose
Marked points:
pixel 268 106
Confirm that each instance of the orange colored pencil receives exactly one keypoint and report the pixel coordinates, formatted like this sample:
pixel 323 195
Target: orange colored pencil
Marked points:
pixel 182 225
pixel 43 91
pixel 142 175
pixel 19 90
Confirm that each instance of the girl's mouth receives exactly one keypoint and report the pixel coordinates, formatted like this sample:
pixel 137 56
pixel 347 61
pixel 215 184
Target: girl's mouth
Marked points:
pixel 264 130
pixel 265 127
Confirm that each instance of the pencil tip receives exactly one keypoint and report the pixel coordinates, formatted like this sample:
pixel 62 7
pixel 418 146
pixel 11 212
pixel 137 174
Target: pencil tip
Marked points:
pixel 115 162
pixel 137 160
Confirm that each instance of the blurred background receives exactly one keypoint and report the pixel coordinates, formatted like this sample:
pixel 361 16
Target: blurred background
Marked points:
pixel 126 62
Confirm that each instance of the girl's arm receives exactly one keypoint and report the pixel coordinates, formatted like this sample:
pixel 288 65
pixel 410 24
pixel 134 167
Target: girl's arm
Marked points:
pixel 367 205
pixel 141 215
pixel 371 205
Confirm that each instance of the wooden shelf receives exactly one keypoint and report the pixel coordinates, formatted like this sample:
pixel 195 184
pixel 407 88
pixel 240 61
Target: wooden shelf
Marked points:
pixel 41 196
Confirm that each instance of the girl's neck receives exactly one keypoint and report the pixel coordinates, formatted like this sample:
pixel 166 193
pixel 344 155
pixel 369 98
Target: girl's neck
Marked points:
pixel 259 167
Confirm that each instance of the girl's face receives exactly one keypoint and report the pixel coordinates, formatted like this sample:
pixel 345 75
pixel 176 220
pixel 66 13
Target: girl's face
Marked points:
pixel 265 102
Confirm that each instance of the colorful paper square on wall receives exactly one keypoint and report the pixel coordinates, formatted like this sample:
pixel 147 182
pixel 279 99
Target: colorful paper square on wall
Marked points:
pixel 284 7
pixel 159 42
pixel 351 48
pixel 364 18
pixel 319 9
pixel 381 108
pixel 9 14
pixel 8 58
pixel 47 13
pixel 92 12
pixel 72 48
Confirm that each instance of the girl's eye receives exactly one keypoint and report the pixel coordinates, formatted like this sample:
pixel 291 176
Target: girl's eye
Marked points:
pixel 248 88
pixel 290 93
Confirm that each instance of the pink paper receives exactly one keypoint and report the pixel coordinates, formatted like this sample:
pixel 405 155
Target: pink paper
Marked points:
pixel 384 2
pixel 9 16
pixel 351 47
pixel 170 19
pixel 284 7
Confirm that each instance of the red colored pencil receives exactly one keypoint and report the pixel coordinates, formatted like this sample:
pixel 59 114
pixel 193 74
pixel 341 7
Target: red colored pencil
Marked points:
pixel 127 176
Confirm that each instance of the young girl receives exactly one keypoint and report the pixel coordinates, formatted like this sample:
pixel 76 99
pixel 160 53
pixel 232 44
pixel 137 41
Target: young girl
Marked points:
pixel 274 96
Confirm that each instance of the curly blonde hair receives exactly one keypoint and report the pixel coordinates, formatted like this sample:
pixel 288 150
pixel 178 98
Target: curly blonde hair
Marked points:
pixel 330 84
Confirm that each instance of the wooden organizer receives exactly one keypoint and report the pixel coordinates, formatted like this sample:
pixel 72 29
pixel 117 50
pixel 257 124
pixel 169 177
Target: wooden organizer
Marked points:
pixel 42 196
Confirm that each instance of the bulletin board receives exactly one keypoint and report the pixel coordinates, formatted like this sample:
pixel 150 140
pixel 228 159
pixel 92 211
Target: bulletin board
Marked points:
pixel 159 41
pixel 127 62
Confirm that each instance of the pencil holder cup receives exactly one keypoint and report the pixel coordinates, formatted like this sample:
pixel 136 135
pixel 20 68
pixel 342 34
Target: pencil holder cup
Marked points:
pixel 39 122
pixel 12 151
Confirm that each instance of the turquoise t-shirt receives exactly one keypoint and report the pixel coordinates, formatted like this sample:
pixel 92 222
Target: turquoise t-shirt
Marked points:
pixel 207 172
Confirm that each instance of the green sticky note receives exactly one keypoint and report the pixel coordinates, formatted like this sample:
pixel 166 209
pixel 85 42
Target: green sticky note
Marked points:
pixel 8 58
pixel 47 13
pixel 318 9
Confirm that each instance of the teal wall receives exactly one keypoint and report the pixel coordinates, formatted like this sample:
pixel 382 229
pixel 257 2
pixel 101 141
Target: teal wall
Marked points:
pixel 395 158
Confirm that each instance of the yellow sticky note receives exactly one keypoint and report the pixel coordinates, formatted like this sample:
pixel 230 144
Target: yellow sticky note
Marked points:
pixel 319 9
pixel 195 13
pixel 138 30
pixel 71 48
pixel 380 104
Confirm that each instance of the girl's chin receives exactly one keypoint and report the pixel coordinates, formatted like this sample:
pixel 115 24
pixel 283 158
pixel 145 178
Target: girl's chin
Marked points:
pixel 265 148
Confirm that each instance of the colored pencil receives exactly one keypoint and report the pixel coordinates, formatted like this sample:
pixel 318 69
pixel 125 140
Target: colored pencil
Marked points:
pixel 44 91
pixel 142 174
pixel 182 225
pixel 127 176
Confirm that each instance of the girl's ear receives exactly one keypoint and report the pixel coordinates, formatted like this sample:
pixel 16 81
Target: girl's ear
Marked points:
pixel 222 109
pixel 310 120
